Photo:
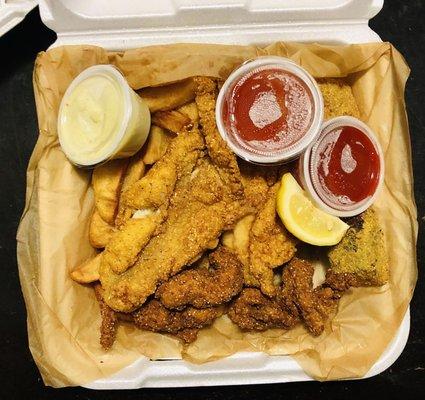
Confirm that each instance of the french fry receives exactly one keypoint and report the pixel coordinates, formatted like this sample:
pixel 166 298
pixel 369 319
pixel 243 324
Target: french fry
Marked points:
pixel 100 232
pixel 88 271
pixel 164 98
pixel 173 120
pixel 107 180
pixel 135 171
pixel 191 111
pixel 157 144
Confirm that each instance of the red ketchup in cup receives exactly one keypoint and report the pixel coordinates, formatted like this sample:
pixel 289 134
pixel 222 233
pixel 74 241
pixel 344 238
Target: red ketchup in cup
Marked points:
pixel 269 110
pixel 343 170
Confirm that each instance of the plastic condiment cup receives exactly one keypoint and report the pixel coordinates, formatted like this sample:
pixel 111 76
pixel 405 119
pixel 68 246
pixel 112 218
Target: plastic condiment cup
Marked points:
pixel 291 152
pixel 307 177
pixel 132 127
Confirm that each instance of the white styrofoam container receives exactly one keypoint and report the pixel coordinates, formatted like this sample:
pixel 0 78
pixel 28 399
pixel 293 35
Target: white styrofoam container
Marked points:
pixel 12 12
pixel 124 24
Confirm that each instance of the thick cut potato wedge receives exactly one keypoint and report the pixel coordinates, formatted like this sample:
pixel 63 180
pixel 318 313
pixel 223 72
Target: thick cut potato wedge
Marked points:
pixel 173 120
pixel 157 144
pixel 100 231
pixel 135 171
pixel 107 180
pixel 191 111
pixel 164 98
pixel 88 271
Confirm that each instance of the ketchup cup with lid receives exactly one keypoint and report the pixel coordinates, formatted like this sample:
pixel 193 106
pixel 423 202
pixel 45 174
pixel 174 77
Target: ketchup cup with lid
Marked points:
pixel 269 110
pixel 343 169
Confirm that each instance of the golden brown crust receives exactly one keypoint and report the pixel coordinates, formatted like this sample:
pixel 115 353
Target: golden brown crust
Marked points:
pixel 252 310
pixel 204 288
pixel 153 316
pixel 109 324
pixel 221 155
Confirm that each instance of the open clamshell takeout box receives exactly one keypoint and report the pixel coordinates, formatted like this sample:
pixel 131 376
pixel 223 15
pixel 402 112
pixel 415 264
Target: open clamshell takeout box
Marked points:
pixel 118 25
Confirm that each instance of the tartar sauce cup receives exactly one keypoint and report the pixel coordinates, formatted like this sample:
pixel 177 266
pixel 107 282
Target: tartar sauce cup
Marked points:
pixel 101 118
pixel 343 170
pixel 269 110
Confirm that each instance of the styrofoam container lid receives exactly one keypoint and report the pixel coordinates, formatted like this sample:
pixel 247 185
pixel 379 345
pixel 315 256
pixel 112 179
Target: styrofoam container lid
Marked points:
pixel 122 24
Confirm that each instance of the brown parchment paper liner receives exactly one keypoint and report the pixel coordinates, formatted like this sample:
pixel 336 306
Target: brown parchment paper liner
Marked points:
pixel 63 317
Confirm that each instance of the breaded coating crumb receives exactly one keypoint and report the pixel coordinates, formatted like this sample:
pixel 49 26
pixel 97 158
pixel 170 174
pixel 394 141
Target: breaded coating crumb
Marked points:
pixel 153 316
pixel 252 310
pixel 109 325
pixel 338 98
pixel 362 252
pixel 202 287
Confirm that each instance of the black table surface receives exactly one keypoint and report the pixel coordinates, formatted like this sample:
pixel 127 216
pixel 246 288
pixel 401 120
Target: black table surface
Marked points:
pixel 400 22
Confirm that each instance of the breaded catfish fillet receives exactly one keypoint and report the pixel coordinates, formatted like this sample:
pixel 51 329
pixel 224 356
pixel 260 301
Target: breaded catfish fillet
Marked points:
pixel 362 251
pixel 200 209
pixel 109 324
pixel 153 316
pixel 270 244
pixel 221 155
pixel 201 287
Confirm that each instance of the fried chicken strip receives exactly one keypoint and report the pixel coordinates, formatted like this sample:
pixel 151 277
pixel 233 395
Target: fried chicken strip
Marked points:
pixel 153 316
pixel 202 287
pixel 221 155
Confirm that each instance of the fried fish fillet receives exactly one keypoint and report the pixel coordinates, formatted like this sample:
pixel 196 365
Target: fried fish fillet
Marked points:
pixel 200 209
pixel 221 155
pixel 203 287
pixel 153 316
pixel 150 197
pixel 270 244
pixel 109 324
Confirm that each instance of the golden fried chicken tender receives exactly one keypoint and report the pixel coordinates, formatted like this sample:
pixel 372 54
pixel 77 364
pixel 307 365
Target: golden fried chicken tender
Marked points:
pixel 270 244
pixel 202 287
pixel 107 180
pixel 153 316
pixel 168 97
pixel 338 98
pixel 88 271
pixel 100 232
pixel 221 155
pixel 362 251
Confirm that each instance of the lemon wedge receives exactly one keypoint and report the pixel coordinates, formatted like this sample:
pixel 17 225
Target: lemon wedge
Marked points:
pixel 303 219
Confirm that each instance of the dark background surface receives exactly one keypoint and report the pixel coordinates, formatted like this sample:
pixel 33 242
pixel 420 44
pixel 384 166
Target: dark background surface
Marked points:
pixel 400 22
